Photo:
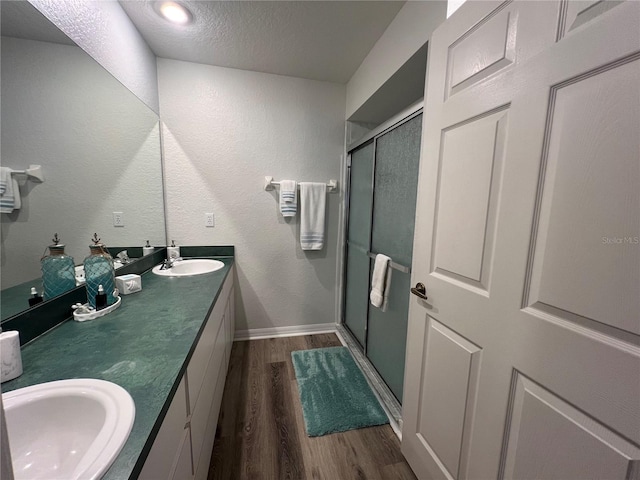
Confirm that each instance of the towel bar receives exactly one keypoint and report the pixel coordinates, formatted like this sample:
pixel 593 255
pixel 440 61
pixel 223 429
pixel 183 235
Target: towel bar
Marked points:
pixel 269 184
pixel 392 264
pixel 34 172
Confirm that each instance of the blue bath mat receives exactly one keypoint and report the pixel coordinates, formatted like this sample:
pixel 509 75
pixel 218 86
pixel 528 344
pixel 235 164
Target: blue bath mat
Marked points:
pixel 334 394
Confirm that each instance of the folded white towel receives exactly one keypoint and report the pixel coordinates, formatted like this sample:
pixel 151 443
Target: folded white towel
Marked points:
pixel 288 198
pixel 380 282
pixel 5 178
pixel 10 196
pixel 313 197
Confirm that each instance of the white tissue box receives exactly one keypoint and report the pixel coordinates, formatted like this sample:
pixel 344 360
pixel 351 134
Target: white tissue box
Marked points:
pixel 127 284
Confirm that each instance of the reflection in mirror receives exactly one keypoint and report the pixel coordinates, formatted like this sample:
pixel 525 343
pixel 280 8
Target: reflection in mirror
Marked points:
pixel 98 145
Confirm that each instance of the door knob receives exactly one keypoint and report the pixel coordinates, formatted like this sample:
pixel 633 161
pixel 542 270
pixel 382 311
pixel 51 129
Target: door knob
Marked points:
pixel 420 291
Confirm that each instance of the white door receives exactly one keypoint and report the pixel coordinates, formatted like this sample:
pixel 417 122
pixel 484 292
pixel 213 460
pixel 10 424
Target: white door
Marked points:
pixel 524 361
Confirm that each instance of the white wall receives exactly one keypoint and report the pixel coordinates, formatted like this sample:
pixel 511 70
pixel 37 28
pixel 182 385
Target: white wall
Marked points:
pixel 105 32
pixel 223 131
pixel 99 148
pixel 453 5
pixel 408 31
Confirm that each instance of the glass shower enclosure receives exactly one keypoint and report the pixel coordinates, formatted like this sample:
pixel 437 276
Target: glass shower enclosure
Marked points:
pixel 383 181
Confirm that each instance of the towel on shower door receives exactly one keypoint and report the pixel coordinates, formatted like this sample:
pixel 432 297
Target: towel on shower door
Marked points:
pixel 312 201
pixel 10 191
pixel 288 198
pixel 380 282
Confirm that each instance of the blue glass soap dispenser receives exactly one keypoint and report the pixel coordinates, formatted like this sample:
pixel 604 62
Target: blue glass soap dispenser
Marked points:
pixel 58 270
pixel 98 271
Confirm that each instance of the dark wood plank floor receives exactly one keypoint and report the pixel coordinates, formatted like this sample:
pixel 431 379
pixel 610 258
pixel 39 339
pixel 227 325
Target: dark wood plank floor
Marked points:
pixel 261 432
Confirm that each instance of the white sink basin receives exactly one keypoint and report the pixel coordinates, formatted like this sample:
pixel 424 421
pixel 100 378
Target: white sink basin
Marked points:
pixel 69 429
pixel 192 266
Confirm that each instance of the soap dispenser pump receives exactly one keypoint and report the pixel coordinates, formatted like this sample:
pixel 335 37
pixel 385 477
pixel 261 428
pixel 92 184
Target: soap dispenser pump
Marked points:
pixel 173 252
pixel 34 299
pixel 99 271
pixel 147 249
pixel 101 298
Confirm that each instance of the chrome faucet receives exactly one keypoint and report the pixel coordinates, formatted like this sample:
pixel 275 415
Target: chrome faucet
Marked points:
pixel 123 257
pixel 168 263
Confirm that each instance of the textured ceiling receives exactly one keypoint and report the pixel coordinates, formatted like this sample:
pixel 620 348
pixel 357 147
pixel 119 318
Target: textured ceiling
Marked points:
pixel 309 39
pixel 22 20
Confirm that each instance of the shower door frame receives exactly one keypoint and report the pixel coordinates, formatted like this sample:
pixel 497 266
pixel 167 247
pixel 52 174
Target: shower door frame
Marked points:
pixel 388 399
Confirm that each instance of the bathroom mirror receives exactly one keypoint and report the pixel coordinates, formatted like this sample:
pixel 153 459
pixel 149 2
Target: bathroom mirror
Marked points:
pixel 97 143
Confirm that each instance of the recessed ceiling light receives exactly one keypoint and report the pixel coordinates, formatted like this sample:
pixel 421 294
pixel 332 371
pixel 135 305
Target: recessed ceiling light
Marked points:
pixel 174 12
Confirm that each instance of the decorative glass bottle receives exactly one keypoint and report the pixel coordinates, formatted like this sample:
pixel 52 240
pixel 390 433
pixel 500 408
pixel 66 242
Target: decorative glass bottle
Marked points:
pixel 58 270
pixel 98 270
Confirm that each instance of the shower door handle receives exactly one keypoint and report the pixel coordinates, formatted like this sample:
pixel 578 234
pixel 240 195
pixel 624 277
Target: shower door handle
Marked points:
pixel 420 291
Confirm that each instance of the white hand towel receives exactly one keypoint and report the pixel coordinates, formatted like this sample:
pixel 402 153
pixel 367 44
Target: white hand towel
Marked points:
pixel 380 282
pixel 10 197
pixel 313 197
pixel 288 198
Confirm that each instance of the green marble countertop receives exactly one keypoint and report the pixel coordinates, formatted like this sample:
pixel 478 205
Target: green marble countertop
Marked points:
pixel 143 346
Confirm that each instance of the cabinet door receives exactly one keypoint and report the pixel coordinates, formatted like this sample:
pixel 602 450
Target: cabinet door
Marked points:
pixel 202 466
pixel 168 442
pixel 183 468
pixel 204 349
pixel 216 367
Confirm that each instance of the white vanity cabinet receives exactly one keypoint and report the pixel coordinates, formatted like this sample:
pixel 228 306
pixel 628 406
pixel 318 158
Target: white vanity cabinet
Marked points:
pixel 183 446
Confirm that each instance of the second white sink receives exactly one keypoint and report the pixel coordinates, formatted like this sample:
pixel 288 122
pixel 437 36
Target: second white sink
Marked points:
pixel 68 429
pixel 189 267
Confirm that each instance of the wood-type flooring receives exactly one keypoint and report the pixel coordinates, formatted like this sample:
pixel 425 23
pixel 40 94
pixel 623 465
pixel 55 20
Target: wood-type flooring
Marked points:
pixel 261 432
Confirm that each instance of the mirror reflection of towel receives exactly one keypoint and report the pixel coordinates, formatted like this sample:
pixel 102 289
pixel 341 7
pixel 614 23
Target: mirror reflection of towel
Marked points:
pixel 9 191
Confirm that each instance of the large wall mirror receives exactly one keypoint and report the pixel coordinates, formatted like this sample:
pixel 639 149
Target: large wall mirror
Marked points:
pixel 97 143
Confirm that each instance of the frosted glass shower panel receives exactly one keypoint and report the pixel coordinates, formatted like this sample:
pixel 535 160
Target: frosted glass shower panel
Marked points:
pixel 359 233
pixel 361 196
pixel 396 185
pixel 357 293
pixel 387 333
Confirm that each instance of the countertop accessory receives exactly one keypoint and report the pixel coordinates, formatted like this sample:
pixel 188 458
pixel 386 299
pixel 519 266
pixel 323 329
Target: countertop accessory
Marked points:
pixel 34 299
pixel 101 298
pixel 147 249
pixel 130 283
pixel 58 270
pixel 99 270
pixel 82 313
pixel 173 251
pixel 11 357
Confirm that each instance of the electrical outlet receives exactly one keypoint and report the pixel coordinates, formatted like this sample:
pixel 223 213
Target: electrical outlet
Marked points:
pixel 209 220
pixel 118 219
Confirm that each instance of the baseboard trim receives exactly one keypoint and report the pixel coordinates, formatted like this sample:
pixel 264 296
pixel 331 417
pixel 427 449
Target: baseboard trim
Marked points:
pixel 277 332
